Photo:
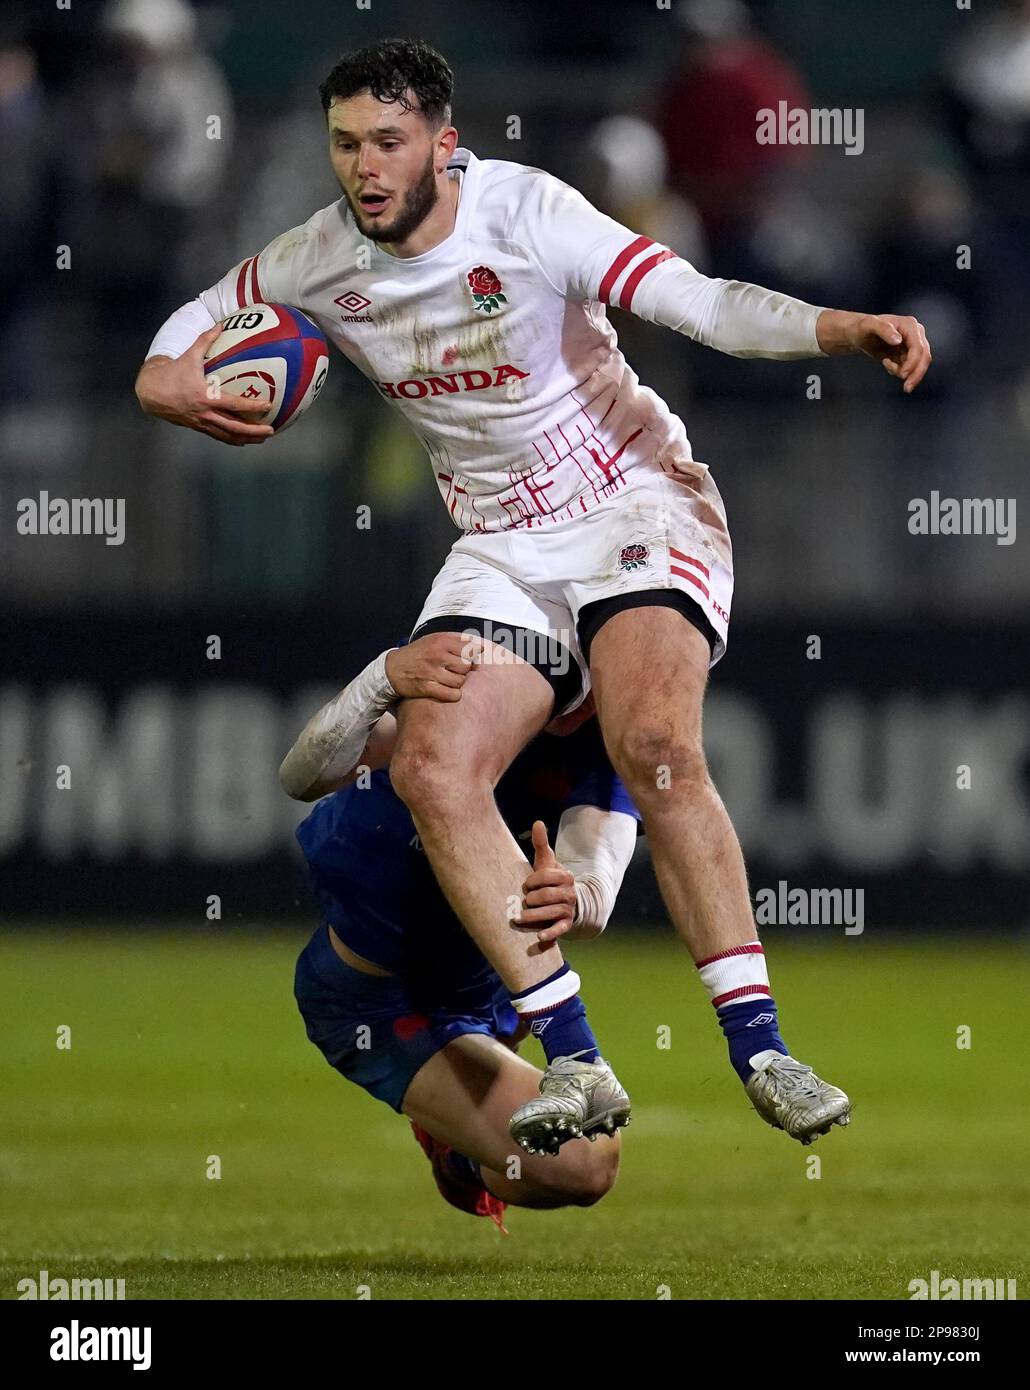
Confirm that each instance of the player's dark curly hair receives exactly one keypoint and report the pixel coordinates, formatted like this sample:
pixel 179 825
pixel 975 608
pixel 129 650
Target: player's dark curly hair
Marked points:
pixel 390 70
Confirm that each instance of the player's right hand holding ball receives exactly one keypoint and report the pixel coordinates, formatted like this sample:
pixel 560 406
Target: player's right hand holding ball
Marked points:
pixel 176 389
pixel 434 667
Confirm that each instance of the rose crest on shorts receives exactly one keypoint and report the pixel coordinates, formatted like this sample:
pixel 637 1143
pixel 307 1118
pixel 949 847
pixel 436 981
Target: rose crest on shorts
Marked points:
pixel 633 557
pixel 486 289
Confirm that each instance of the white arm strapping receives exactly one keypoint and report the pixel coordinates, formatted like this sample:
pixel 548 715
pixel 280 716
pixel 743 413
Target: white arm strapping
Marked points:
pixel 596 847
pixel 333 739
pixel 182 330
pixel 732 316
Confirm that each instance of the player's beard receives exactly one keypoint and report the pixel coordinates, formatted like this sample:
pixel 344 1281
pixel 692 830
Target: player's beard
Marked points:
pixel 419 202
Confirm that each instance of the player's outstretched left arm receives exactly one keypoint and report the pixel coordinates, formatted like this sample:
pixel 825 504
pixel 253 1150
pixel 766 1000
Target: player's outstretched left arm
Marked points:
pixel 571 889
pixel 588 256
pixel 746 320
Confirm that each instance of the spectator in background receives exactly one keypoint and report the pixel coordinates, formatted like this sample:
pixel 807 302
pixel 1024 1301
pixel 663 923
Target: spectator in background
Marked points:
pixel 763 222
pixel 622 171
pixel 156 129
pixel 707 116
pixel 989 85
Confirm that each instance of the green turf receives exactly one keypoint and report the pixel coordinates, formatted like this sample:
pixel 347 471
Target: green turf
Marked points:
pixel 188 1045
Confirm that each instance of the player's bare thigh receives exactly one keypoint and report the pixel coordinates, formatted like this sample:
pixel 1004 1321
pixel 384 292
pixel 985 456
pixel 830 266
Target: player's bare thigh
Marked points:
pixel 465 1096
pixel 504 703
pixel 654 719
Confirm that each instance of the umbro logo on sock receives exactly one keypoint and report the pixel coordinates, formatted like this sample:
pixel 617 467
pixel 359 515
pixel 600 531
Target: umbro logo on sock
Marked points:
pixel 760 1019
pixel 538 1025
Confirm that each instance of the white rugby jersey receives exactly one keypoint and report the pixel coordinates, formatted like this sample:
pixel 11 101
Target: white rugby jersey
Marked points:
pixel 495 344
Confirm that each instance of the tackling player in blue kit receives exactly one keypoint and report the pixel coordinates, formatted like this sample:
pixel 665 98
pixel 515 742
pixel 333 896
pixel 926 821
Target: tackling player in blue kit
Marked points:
pixel 391 987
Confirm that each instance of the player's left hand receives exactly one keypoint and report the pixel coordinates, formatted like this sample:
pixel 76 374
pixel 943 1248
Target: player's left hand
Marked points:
pixel 896 340
pixel 548 894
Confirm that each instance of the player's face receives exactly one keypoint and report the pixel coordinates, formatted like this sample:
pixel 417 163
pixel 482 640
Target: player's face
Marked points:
pixel 389 164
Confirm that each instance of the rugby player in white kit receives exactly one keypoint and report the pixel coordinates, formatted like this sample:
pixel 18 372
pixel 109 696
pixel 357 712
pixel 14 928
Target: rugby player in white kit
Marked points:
pixel 472 293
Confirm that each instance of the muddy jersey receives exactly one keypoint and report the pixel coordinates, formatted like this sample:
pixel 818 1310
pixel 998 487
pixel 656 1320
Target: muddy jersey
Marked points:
pixel 495 344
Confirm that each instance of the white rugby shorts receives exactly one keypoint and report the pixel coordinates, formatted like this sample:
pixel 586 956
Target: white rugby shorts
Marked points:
pixel 659 531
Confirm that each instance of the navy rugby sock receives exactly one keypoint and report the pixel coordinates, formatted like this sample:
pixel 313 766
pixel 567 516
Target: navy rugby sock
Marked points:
pixel 558 1017
pixel 737 982
pixel 751 1027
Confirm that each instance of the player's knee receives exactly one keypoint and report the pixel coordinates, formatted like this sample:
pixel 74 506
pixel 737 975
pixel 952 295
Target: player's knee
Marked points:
pixel 409 773
pixel 425 777
pixel 654 761
pixel 598 1177
pixel 592 1176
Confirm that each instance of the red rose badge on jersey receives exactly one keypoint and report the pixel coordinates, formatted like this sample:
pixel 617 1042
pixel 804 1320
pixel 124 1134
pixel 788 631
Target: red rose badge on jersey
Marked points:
pixel 486 289
pixel 633 557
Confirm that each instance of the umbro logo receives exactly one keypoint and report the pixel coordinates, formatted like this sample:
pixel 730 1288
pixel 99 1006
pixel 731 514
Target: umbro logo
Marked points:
pixel 353 303
pixel 759 1019
pixel 538 1025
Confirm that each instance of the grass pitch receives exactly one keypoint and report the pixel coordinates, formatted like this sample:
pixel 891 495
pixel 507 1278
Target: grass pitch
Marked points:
pixel 187 1045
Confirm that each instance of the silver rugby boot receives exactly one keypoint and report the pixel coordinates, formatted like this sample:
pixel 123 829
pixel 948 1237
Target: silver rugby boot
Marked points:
pixel 789 1096
pixel 577 1100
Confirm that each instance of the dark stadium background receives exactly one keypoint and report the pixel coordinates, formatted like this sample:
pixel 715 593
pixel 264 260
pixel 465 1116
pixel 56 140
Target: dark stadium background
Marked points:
pixel 840 772
pixel 152 910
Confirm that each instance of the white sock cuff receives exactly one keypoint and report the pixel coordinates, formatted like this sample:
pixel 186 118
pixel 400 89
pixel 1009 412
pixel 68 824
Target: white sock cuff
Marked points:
pixel 547 995
pixel 735 973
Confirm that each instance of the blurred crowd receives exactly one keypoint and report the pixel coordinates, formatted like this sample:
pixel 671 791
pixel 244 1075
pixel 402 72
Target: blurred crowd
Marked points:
pixel 957 173
pixel 110 155
pixel 128 185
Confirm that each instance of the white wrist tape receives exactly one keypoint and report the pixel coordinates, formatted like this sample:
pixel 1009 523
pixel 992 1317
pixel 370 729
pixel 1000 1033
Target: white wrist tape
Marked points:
pixel 596 847
pixel 594 902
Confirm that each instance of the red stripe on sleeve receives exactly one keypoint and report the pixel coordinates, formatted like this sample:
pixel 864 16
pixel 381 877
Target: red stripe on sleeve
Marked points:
pixel 629 288
pixel 620 263
pixel 255 288
pixel 241 284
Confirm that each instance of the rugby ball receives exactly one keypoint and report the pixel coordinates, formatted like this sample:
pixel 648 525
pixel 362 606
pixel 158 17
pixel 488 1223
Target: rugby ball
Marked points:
pixel 273 353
